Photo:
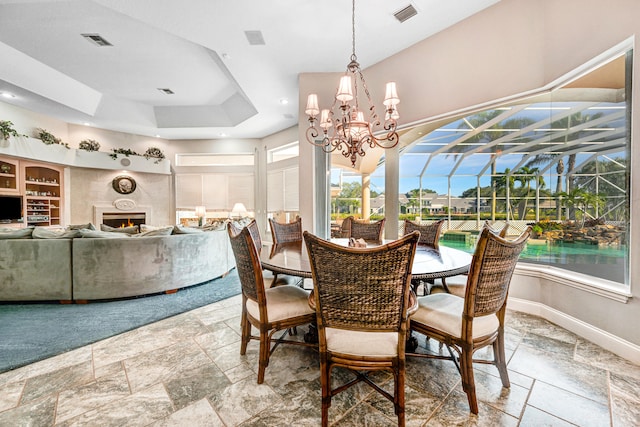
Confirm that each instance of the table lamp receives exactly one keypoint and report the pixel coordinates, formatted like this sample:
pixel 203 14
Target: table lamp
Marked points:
pixel 201 212
pixel 238 210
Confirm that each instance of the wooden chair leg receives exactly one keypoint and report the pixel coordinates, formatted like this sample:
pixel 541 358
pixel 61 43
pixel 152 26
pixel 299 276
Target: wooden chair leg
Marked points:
pixel 500 359
pixel 325 382
pixel 246 333
pixel 399 396
pixel 265 347
pixel 468 383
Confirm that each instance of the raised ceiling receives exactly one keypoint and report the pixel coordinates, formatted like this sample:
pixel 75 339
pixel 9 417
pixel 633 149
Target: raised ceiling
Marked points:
pixel 201 50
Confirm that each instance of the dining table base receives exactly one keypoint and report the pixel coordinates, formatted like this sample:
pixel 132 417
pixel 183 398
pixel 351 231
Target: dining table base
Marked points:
pixel 311 336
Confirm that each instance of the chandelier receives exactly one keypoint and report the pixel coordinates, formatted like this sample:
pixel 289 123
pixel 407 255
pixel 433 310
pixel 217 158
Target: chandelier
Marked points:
pixel 351 132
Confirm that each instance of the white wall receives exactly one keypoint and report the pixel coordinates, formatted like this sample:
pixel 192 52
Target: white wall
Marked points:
pixel 91 187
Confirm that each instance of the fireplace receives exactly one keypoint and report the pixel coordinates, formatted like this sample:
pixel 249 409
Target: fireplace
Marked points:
pixel 123 219
pixel 118 213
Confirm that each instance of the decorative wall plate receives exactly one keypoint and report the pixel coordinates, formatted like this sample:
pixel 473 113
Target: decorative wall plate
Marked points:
pixel 124 184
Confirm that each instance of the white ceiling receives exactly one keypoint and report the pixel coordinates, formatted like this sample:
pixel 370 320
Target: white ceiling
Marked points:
pixel 198 49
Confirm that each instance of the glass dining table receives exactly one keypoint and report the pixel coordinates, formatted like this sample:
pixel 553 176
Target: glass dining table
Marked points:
pixel 428 264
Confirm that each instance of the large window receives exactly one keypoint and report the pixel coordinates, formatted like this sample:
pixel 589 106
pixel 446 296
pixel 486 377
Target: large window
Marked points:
pixel 282 182
pixel 557 162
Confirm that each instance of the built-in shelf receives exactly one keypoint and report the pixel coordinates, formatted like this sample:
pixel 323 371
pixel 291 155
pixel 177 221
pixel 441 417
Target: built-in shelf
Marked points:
pixel 42 186
pixel 9 176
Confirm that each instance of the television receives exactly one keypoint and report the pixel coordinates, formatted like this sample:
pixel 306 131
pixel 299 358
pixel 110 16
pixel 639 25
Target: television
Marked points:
pixel 10 208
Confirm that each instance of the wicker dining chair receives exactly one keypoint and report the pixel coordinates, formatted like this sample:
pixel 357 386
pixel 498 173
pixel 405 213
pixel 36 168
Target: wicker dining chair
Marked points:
pixel 458 283
pixel 286 232
pixel 363 299
pixel 345 227
pixel 271 279
pixel 366 230
pixel 429 236
pixel 429 233
pixel 269 310
pixel 467 324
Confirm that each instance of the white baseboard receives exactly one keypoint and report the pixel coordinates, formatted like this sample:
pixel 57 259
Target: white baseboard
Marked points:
pixel 602 338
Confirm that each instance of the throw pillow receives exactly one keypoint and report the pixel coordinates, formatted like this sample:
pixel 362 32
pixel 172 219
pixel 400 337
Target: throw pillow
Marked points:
pixel 179 229
pixel 164 231
pixel 54 233
pixel 95 234
pixel 87 226
pixel 127 230
pixel 146 227
pixel 220 224
pixel 242 222
pixel 16 233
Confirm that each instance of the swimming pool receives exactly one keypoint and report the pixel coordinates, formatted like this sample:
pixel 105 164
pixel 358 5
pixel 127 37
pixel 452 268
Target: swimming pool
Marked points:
pixel 608 263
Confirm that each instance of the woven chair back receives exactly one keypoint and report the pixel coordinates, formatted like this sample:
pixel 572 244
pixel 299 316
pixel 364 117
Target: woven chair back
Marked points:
pixel 361 289
pixel 286 232
pixel 247 263
pixel 367 230
pixel 345 227
pixel 429 234
pixel 254 230
pixel 490 273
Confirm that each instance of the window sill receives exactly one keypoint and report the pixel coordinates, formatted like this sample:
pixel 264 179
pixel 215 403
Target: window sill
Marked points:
pixel 597 286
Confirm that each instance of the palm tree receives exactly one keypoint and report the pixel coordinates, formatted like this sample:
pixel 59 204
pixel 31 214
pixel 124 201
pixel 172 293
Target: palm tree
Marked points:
pixel 500 182
pixel 476 121
pixel 540 159
pixel 583 200
pixel 524 176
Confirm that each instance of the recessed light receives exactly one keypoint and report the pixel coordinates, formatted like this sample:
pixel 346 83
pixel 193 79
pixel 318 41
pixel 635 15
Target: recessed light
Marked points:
pixel 87 124
pixel 157 136
pixel 222 134
pixel 284 101
pixel 8 95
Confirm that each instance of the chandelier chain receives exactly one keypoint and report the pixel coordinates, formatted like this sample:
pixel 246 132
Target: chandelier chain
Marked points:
pixel 353 30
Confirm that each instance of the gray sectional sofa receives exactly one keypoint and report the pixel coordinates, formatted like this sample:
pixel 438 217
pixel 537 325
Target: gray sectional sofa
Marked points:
pixel 81 268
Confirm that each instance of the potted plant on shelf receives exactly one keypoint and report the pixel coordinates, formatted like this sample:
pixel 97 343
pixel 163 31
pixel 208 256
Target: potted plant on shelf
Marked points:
pixel 153 152
pixel 89 145
pixel 48 138
pixel 7 130
pixel 126 151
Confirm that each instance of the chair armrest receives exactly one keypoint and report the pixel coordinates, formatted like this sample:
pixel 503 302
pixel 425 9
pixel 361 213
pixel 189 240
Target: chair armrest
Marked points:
pixel 413 303
pixel 312 300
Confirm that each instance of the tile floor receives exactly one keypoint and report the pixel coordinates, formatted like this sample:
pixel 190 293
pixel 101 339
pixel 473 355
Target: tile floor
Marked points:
pixel 187 371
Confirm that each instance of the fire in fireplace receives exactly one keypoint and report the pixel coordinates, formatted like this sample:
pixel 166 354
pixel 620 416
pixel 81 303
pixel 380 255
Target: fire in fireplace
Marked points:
pixel 123 219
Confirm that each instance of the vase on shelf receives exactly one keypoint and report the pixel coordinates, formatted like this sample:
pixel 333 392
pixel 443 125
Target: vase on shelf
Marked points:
pixel 5 168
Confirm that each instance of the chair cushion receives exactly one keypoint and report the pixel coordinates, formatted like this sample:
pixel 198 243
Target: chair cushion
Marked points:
pixel 444 312
pixel 360 343
pixel 283 302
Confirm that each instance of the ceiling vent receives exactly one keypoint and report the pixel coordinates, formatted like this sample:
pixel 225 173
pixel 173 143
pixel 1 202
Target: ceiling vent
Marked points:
pixel 166 90
pixel 254 37
pixel 288 116
pixel 406 13
pixel 96 39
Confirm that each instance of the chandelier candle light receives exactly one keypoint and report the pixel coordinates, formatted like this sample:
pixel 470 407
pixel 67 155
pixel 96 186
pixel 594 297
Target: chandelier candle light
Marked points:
pixel 350 130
